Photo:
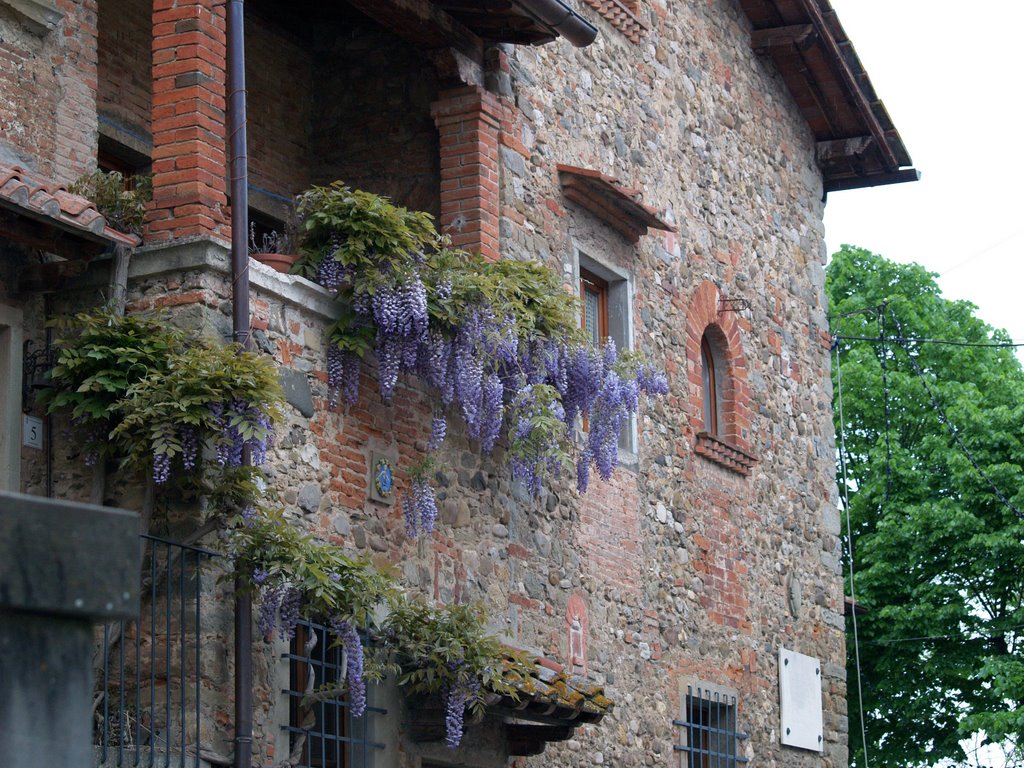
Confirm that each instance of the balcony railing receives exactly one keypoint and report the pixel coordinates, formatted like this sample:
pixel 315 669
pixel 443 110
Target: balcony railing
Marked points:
pixel 147 706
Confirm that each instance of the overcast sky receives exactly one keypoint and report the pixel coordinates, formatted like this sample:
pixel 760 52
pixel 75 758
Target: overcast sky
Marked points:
pixel 950 75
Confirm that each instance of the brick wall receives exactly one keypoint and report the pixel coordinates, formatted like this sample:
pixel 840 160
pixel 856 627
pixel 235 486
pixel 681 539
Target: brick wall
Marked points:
pixel 372 122
pixel 468 120
pixel 48 84
pixel 125 63
pixel 189 130
pixel 279 81
pixel 76 138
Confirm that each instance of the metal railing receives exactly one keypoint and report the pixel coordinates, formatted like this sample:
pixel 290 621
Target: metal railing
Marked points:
pixel 136 723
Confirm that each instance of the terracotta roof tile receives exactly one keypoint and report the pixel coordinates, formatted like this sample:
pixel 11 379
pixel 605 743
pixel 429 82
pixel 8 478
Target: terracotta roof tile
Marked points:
pixel 549 691
pixel 37 198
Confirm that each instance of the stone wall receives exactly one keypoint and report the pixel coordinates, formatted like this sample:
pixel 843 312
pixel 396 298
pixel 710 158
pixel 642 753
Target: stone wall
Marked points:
pixel 680 566
pixel 708 134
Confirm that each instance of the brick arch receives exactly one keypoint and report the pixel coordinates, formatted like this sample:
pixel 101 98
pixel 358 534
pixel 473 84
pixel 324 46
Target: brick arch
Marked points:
pixel 724 335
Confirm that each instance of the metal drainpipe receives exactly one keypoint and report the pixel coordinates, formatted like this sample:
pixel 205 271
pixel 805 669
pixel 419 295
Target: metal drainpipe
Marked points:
pixel 239 163
pixel 560 17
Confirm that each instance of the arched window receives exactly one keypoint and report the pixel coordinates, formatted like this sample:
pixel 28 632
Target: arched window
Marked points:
pixel 721 417
pixel 709 386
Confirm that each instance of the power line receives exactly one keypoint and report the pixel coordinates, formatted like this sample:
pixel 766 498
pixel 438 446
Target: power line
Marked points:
pixel 882 353
pixel 924 638
pixel 849 549
pixel 982 252
pixel 953 431
pixel 901 340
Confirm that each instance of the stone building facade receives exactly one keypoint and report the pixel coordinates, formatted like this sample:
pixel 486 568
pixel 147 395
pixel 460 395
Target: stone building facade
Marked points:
pixel 682 158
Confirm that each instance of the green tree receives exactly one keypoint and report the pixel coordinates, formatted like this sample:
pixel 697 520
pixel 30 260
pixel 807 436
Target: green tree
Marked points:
pixel 938 548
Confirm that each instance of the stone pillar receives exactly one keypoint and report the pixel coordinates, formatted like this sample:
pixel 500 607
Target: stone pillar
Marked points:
pixel 189 116
pixel 63 566
pixel 468 120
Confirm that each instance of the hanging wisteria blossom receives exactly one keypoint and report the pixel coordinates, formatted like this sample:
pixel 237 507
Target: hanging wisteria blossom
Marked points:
pixel 420 509
pixel 349 635
pixel 498 341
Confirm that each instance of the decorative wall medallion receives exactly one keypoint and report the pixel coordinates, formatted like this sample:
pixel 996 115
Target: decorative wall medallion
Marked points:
pixel 381 482
pixel 383 478
pixel 794 595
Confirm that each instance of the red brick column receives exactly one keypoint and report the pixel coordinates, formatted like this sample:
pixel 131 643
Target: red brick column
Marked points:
pixel 468 120
pixel 189 135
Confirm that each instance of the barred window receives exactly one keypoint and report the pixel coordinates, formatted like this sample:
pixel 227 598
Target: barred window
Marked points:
pixel 322 731
pixel 708 732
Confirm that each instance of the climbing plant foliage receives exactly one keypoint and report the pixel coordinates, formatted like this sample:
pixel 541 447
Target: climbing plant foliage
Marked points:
pixel 498 342
pixel 171 402
pixel 150 394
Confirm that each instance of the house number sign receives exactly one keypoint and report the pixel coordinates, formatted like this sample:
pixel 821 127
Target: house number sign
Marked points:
pixel 32 431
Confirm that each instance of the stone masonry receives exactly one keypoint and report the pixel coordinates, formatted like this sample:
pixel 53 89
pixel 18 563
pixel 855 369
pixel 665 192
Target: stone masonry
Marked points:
pixel 681 568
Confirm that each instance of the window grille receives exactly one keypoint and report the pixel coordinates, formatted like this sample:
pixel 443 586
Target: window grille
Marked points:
pixel 708 730
pixel 323 732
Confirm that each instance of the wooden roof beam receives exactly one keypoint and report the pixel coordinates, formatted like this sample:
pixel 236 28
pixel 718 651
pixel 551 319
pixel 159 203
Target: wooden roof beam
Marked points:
pixel 849 80
pixel 876 180
pixel 829 151
pixel 798 35
pixel 423 24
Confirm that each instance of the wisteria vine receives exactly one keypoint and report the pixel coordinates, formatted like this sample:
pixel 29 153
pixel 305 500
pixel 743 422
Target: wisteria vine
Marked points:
pixel 499 342
pixel 141 390
pixel 433 650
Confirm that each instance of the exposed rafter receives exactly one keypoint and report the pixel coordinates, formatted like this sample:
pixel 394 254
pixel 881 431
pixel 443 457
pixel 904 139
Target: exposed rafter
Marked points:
pixel 857 143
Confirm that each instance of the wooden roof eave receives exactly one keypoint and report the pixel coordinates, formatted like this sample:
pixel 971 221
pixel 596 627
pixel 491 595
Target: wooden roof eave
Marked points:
pixel 827 80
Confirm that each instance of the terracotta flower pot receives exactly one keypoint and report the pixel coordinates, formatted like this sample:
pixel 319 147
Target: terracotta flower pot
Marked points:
pixel 282 262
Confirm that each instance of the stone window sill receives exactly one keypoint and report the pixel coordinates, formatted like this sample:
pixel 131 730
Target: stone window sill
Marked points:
pixel 620 17
pixel 720 452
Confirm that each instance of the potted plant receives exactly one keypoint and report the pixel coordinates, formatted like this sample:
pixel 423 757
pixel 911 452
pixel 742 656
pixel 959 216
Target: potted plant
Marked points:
pixel 273 248
pixel 121 201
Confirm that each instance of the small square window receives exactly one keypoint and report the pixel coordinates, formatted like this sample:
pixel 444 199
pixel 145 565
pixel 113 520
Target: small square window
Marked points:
pixel 708 732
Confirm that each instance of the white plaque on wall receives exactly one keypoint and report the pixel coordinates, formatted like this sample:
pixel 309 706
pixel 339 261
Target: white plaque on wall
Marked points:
pixel 32 431
pixel 800 700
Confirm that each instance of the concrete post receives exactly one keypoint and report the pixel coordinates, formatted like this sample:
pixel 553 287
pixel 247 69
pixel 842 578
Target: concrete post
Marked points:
pixel 63 567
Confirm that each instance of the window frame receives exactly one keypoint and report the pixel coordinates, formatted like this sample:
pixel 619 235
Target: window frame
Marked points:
pixel 617 318
pixel 353 739
pixel 710 388
pixel 704 707
pixel 593 285
pixel 11 354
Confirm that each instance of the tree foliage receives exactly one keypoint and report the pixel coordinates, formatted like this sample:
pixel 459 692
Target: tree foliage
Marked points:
pixel 939 556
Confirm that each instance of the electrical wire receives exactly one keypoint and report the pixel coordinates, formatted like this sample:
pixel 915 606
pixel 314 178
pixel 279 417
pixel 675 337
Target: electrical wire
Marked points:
pixel 849 549
pixel 883 352
pixel 953 431
pixel 836 338
pixel 924 638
